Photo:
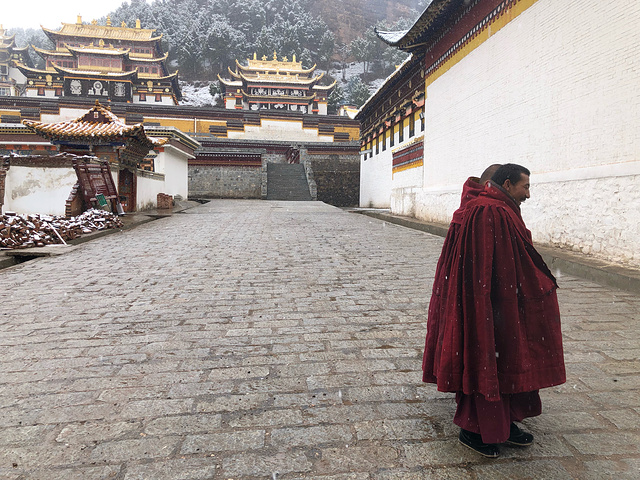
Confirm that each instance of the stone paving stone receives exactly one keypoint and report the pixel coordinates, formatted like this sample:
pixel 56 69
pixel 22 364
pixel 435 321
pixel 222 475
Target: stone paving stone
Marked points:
pixel 534 470
pixel 278 340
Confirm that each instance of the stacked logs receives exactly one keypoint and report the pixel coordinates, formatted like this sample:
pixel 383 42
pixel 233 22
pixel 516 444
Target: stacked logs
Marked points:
pixel 24 231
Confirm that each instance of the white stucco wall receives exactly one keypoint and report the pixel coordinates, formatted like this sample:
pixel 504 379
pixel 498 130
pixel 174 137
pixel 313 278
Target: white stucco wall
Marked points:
pixel 375 180
pixel 149 186
pixel 38 190
pixel 555 90
pixel 173 163
pixel 282 130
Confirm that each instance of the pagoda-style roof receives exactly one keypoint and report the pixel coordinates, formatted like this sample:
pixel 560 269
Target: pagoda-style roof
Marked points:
pixel 26 71
pixel 131 75
pixel 98 125
pixel 280 79
pixel 108 51
pixel 105 32
pixel 51 53
pixel 132 57
pixel 325 87
pixel 421 33
pixel 230 83
pixel 265 65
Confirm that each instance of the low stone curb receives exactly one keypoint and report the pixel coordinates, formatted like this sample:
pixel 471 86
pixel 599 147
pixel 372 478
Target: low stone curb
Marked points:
pixel 560 261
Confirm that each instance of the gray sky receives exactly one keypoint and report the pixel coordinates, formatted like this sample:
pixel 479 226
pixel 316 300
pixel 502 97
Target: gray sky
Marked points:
pixel 50 14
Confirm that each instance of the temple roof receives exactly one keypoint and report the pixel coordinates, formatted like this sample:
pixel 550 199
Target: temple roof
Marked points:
pixel 284 65
pixel 30 70
pixel 131 75
pixel 230 83
pixel 96 126
pixel 422 31
pixel 51 53
pixel 133 58
pixel 280 79
pixel 105 32
pixel 325 87
pixel 110 51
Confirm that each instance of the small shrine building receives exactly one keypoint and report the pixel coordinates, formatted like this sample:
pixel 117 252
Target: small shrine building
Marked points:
pixel 123 147
pixel 105 62
pixel 275 85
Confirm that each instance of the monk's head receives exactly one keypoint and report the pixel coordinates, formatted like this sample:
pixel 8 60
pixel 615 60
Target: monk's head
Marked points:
pixel 488 173
pixel 514 179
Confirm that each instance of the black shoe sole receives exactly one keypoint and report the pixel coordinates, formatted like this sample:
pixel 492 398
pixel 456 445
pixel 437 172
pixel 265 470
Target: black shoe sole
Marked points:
pixel 478 451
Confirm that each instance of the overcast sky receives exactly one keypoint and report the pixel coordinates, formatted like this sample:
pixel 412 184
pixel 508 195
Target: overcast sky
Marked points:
pixel 50 14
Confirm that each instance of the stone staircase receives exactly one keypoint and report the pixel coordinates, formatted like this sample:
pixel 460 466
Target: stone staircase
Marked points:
pixel 287 182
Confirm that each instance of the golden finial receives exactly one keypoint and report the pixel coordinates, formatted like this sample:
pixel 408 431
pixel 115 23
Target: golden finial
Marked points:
pixel 138 23
pixel 123 24
pixel 79 20
pixel 275 57
pixel 108 20
pixel 255 56
pixel 294 58
pixel 94 22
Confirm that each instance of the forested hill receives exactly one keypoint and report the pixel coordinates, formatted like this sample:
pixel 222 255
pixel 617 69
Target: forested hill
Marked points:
pixel 204 37
pixel 349 19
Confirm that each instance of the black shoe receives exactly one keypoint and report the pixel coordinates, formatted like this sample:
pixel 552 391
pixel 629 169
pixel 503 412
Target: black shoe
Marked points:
pixel 475 443
pixel 519 438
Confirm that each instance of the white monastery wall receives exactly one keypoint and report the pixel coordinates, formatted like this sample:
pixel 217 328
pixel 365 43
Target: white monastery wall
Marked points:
pixel 282 130
pixel 375 180
pixel 555 90
pixel 38 190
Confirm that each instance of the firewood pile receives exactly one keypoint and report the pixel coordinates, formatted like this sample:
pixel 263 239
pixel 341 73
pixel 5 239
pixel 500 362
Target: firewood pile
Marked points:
pixel 25 231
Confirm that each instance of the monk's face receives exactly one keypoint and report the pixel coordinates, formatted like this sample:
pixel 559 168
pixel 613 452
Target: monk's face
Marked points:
pixel 519 190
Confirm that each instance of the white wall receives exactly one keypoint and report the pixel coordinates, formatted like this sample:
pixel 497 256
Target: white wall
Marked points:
pixel 38 190
pixel 173 163
pixel 281 130
pixel 149 186
pixel 555 90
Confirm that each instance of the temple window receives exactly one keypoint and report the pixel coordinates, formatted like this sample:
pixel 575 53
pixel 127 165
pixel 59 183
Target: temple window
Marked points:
pixel 412 125
pixel 392 135
pixel 41 91
pixel 158 97
pixel 58 92
pixel 401 130
pixel 143 97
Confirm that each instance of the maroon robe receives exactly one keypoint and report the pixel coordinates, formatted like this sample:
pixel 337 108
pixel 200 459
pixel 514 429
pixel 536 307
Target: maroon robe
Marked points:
pixel 499 331
pixel 470 191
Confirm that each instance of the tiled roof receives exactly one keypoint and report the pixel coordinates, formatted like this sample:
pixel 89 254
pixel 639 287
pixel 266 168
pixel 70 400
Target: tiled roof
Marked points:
pixel 434 14
pixel 104 32
pixel 98 124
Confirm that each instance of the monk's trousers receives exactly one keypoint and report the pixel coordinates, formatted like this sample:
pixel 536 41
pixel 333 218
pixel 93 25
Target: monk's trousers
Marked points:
pixel 492 420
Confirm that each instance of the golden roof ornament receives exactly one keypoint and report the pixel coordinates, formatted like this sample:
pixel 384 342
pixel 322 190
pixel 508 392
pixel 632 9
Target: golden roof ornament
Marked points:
pixel 94 22
pixel 285 59
pixel 255 56
pixel 79 20
pixel 264 58
pixel 138 23
pixel 275 57
pixel 294 58
pixel 108 20
pixel 123 24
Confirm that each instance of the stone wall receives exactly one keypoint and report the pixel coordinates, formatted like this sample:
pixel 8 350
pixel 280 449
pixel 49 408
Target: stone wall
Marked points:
pixel 337 178
pixel 214 181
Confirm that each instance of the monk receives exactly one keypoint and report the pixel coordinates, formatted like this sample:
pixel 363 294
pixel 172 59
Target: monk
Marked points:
pixel 498 335
pixel 470 191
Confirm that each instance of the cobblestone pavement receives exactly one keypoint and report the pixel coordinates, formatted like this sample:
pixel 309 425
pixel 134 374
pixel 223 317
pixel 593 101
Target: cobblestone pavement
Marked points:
pixel 277 340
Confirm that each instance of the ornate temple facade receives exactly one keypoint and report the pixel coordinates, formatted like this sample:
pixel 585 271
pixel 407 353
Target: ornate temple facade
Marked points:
pixel 9 55
pixel 103 62
pixel 275 85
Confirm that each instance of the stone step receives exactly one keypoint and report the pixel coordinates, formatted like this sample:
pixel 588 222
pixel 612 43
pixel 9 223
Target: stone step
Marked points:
pixel 287 182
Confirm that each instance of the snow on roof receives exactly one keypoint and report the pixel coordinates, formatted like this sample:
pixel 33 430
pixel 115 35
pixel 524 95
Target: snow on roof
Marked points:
pixel 392 37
